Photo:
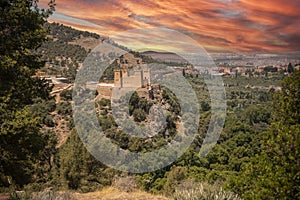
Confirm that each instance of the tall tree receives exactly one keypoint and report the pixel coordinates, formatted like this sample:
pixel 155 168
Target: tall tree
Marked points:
pixel 290 68
pixel 79 170
pixel 275 172
pixel 21 142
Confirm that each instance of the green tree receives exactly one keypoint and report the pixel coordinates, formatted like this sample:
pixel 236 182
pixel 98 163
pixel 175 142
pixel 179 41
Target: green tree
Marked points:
pixel 79 170
pixel 139 115
pixel 290 68
pixel 23 147
pixel 66 95
pixel 275 172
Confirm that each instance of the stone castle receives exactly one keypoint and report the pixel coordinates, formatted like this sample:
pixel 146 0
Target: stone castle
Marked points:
pixel 136 78
pixel 132 73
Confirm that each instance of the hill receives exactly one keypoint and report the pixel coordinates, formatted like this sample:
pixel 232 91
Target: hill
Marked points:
pixel 65 50
pixel 166 57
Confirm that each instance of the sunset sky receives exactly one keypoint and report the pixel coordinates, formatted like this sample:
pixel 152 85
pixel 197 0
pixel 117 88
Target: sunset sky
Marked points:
pixel 217 25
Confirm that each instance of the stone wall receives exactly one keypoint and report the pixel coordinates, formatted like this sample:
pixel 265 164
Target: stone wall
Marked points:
pixel 104 91
pixel 137 78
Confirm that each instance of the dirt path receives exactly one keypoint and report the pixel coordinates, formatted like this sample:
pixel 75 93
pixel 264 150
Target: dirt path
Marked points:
pixel 4 196
pixel 114 194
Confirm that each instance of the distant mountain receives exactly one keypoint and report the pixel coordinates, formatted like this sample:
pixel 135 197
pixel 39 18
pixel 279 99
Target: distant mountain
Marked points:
pixel 166 57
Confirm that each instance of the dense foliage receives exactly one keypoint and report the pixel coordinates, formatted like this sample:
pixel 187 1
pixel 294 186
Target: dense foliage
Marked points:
pixel 67 34
pixel 274 172
pixel 24 148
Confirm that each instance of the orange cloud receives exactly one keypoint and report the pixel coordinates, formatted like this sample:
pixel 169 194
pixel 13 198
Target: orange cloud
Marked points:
pixel 223 25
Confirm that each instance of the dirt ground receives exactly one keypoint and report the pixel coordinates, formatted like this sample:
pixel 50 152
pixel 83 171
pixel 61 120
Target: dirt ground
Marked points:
pixel 114 194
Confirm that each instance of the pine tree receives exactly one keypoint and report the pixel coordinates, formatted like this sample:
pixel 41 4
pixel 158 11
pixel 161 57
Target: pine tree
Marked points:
pixel 22 145
pixel 79 170
pixel 290 68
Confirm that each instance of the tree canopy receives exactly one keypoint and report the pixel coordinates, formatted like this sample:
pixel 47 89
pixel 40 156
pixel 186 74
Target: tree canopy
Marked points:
pixel 274 173
pixel 23 146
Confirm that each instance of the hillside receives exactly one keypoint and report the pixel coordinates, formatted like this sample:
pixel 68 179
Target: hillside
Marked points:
pixel 65 50
pixel 165 57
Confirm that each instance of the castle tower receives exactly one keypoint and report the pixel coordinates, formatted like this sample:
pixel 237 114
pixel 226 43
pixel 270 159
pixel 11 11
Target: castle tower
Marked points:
pixel 118 78
pixel 142 79
pixel 146 78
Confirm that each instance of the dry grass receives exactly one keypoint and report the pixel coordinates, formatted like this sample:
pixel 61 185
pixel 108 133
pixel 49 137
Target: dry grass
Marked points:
pixel 4 196
pixel 43 195
pixel 202 191
pixel 111 193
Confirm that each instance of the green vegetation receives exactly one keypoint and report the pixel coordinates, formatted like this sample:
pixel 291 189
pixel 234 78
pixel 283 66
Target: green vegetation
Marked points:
pixel 64 108
pixel 62 57
pixel 139 112
pixel 274 172
pixel 66 95
pixel 67 34
pixel 256 157
pixel 25 148
pixel 61 53
pixel 78 170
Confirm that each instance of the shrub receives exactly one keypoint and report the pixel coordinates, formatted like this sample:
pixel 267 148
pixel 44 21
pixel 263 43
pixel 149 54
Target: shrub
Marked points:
pixel 203 191
pixel 139 115
pixel 66 95
pixel 64 108
pixel 48 120
pixel 44 195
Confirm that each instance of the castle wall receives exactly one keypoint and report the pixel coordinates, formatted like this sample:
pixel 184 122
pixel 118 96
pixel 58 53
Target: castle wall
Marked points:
pixel 132 80
pixel 138 78
pixel 105 90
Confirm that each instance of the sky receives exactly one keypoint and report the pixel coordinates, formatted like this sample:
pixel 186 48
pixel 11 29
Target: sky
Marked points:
pixel 217 25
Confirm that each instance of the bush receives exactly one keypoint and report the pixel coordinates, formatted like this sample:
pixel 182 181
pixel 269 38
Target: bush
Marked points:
pixel 104 103
pixel 42 109
pixel 139 115
pixel 64 108
pixel 52 195
pixel 48 120
pixel 203 192
pixel 45 195
pixel 66 95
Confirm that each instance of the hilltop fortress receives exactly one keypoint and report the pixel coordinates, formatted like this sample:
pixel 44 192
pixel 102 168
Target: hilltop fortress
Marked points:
pixel 132 73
